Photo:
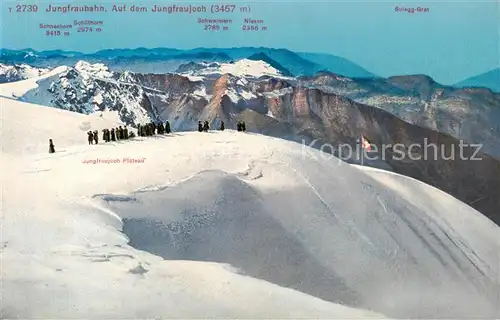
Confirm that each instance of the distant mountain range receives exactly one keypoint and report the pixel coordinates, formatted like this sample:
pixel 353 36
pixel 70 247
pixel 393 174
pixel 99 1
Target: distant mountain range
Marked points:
pixel 490 79
pixel 161 60
pixel 296 64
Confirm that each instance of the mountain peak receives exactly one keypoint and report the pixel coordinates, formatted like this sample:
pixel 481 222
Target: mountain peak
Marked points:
pixel 419 84
pixel 489 79
pixel 412 78
pixel 261 56
pixel 97 69
pixel 247 67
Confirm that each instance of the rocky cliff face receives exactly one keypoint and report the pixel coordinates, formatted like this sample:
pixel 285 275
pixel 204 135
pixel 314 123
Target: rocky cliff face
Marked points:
pixel 471 114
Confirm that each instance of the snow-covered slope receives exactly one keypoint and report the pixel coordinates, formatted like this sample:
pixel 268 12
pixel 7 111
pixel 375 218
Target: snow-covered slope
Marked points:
pixel 84 88
pixel 460 223
pixel 20 88
pixel 244 207
pixel 20 72
pixel 26 128
pixel 240 68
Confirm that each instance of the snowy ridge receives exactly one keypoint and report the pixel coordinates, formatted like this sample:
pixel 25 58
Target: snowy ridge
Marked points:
pixel 126 77
pixel 20 88
pixel 97 70
pixel 205 227
pixel 240 68
pixel 247 67
pixel 19 72
pixel 83 88
pixel 461 224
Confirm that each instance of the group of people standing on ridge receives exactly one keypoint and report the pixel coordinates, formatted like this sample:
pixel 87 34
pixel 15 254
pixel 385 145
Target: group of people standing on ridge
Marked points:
pixel 114 134
pixel 241 126
pixel 152 128
pixel 148 129
pixel 204 127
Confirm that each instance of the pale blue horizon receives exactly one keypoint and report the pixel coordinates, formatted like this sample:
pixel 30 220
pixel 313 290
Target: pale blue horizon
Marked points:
pixel 451 42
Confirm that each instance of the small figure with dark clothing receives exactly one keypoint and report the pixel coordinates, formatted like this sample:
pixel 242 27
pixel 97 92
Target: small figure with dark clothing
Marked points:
pixel 90 137
pixel 239 126
pixel 200 126
pixel 113 136
pixel 205 126
pixel 125 132
pixel 96 137
pixel 167 127
pixel 117 133
pixel 139 130
pixel 243 126
pixel 222 125
pixel 104 135
pixel 120 133
pixel 52 148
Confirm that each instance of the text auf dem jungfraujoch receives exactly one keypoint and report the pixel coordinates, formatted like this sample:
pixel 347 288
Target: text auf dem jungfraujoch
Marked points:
pixel 127 8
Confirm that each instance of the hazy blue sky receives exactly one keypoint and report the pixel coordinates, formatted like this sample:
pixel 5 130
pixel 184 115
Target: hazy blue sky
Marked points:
pixel 453 41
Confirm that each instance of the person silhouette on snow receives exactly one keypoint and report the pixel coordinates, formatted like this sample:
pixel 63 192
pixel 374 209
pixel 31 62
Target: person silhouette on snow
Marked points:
pixel 52 148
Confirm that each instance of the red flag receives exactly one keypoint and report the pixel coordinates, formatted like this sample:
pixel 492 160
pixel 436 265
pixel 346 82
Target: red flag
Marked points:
pixel 366 144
